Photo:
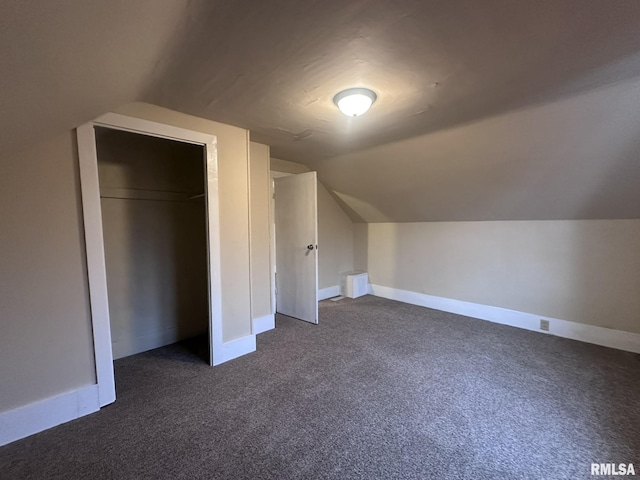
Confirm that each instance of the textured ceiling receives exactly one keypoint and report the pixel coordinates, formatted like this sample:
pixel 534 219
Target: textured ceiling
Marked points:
pixel 575 158
pixel 444 71
pixel 274 67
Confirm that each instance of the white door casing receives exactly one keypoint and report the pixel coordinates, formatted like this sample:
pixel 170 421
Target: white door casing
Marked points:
pixel 92 216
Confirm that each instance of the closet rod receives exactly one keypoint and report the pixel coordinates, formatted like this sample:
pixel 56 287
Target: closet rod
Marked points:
pixel 150 190
pixel 158 195
pixel 152 199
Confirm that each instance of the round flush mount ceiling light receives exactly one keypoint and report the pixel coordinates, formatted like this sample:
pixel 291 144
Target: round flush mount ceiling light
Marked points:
pixel 353 102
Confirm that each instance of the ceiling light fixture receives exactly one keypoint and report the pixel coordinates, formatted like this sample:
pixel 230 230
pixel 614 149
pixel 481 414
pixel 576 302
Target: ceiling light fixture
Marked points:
pixel 353 102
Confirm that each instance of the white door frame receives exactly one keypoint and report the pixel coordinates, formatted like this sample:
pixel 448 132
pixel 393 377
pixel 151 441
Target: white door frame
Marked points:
pixel 92 215
pixel 273 174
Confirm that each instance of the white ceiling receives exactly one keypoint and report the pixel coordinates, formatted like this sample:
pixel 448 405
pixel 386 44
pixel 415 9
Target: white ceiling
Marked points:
pixel 499 109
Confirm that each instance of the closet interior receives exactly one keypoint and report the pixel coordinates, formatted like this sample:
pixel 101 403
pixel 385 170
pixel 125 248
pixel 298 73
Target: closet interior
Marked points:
pixel 154 222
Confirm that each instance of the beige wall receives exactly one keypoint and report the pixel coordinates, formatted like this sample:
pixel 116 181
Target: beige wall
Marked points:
pixel 360 246
pixel 335 231
pixel 45 331
pixel 260 230
pixel 46 345
pixel 583 271
pixel 335 240
pixel 155 249
pixel 233 157
pixel 278 165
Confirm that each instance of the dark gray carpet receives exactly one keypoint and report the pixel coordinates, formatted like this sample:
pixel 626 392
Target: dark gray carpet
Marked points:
pixel 378 390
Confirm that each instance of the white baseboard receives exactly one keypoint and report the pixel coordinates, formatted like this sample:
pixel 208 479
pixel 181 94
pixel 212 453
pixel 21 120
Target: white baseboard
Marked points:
pixel 264 324
pixel 50 412
pixel 237 348
pixel 329 292
pixel 606 337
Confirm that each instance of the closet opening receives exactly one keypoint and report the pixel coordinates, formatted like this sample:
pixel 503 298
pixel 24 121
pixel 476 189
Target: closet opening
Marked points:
pixel 154 220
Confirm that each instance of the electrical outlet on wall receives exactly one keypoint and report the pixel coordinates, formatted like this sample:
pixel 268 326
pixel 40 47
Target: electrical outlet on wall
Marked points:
pixel 544 325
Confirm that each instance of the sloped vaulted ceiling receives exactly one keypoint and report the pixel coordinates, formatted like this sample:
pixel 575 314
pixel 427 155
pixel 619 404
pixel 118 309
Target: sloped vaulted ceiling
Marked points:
pixel 499 109
pixel 65 62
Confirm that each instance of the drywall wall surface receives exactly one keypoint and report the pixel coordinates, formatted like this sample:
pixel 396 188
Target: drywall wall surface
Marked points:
pixel 286 166
pixel 156 262
pixel 335 240
pixel 142 162
pixel 260 193
pixel 155 249
pixel 360 246
pixel 46 345
pixel 233 157
pixel 585 271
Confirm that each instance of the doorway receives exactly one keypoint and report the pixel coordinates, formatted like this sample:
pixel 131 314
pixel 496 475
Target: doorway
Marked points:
pixel 94 238
pixel 296 245
pixel 154 230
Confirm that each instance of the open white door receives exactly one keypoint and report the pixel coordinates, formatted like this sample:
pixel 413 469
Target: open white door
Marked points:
pixel 296 219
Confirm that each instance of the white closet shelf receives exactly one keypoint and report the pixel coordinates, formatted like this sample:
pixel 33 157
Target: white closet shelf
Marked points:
pixel 158 195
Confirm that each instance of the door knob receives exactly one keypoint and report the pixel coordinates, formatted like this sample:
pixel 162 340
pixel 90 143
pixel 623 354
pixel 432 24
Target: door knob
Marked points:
pixel 309 247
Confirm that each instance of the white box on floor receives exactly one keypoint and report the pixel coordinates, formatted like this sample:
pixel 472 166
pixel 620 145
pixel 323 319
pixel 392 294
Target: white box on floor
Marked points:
pixel 355 284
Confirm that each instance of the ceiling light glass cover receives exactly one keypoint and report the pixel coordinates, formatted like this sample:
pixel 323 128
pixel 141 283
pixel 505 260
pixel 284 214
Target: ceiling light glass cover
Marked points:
pixel 355 101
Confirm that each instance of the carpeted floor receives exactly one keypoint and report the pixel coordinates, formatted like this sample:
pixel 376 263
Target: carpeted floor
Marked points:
pixel 378 390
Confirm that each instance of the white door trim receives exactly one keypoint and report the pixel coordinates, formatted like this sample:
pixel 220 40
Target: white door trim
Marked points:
pixel 92 215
